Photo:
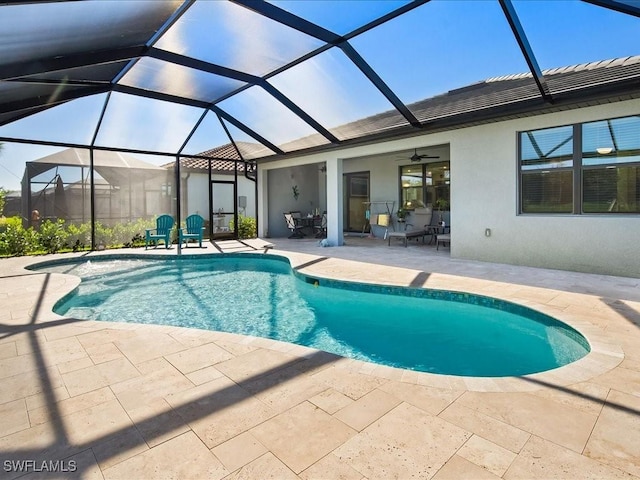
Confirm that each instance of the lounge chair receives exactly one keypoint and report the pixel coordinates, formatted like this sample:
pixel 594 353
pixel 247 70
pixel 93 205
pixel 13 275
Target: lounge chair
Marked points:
pixel 420 219
pixel 164 226
pixel 294 225
pixel 194 230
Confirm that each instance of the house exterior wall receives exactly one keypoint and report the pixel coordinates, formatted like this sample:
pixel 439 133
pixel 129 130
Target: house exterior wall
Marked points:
pixel 484 195
pixel 281 183
pixel 484 192
pixel 197 193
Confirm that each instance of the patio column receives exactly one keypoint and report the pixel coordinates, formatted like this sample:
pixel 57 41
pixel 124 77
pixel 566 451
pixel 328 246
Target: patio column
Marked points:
pixel 335 202
pixel 262 207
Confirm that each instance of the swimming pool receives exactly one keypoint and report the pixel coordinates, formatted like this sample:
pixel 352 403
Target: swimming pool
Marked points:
pixel 419 329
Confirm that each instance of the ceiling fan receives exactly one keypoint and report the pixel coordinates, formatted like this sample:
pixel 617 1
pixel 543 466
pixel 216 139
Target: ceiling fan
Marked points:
pixel 417 158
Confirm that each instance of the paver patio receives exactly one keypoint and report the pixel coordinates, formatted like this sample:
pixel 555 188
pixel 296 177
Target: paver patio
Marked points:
pixel 138 401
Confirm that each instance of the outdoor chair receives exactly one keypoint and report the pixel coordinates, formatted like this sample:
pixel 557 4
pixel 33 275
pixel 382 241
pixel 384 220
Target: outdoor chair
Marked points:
pixel 442 239
pixel 194 230
pixel 420 220
pixel 294 225
pixel 321 227
pixel 164 226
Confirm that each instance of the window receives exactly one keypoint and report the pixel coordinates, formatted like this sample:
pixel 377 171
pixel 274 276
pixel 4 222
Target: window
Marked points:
pixel 166 189
pixel 611 163
pixel 425 185
pixel 546 164
pixel 412 186
pixel 585 168
pixel 359 186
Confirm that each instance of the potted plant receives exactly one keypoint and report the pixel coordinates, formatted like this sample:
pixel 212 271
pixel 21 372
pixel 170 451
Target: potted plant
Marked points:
pixel 441 204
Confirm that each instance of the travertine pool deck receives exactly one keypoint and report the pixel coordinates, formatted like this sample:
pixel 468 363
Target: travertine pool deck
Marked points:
pixel 117 400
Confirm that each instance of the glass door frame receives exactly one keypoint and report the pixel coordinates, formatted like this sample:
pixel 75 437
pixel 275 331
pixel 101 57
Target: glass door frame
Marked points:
pixel 231 235
pixel 348 196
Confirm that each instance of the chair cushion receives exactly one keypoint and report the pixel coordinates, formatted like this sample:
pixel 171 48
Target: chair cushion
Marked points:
pixel 408 234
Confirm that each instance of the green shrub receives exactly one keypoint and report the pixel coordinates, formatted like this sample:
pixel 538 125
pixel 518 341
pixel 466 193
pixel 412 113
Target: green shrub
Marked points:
pixel 6 221
pixel 52 236
pixel 120 234
pixel 16 241
pixel 79 236
pixel 138 240
pixel 3 194
pixel 246 227
pixel 124 234
pixel 104 235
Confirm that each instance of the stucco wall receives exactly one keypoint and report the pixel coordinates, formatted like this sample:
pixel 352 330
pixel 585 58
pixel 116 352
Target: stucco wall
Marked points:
pixel 484 195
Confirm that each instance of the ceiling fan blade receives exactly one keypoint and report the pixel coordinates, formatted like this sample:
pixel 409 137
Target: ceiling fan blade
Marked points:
pixel 416 158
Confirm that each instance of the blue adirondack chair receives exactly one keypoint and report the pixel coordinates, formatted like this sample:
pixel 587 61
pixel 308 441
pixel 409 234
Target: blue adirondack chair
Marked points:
pixel 193 231
pixel 164 226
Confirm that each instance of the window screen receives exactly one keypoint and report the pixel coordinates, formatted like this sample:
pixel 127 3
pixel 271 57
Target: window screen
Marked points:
pixel 546 166
pixel 611 161
pixel 602 161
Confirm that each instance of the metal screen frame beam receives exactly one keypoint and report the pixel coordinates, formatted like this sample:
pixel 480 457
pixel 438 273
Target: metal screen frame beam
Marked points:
pixel 256 136
pixel 92 186
pixel 166 97
pixel 304 116
pixel 181 10
pixel 380 84
pixel 99 147
pixel 251 80
pixel 521 37
pixel 385 18
pixel 617 6
pixel 286 18
pixel 196 64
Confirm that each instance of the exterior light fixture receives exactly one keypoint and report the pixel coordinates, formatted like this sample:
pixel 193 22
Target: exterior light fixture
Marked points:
pixel 604 150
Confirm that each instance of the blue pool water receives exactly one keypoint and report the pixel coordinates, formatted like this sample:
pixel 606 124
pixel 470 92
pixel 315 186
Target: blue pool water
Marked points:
pixel 425 330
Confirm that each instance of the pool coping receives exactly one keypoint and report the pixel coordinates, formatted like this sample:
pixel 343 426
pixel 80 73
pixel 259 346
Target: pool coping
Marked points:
pixel 604 356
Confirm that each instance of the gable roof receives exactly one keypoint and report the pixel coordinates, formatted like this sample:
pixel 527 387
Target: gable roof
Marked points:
pixel 223 158
pixel 505 97
pixel 79 157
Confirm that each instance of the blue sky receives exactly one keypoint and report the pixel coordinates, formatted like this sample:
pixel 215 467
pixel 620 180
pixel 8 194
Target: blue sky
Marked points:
pixel 442 45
